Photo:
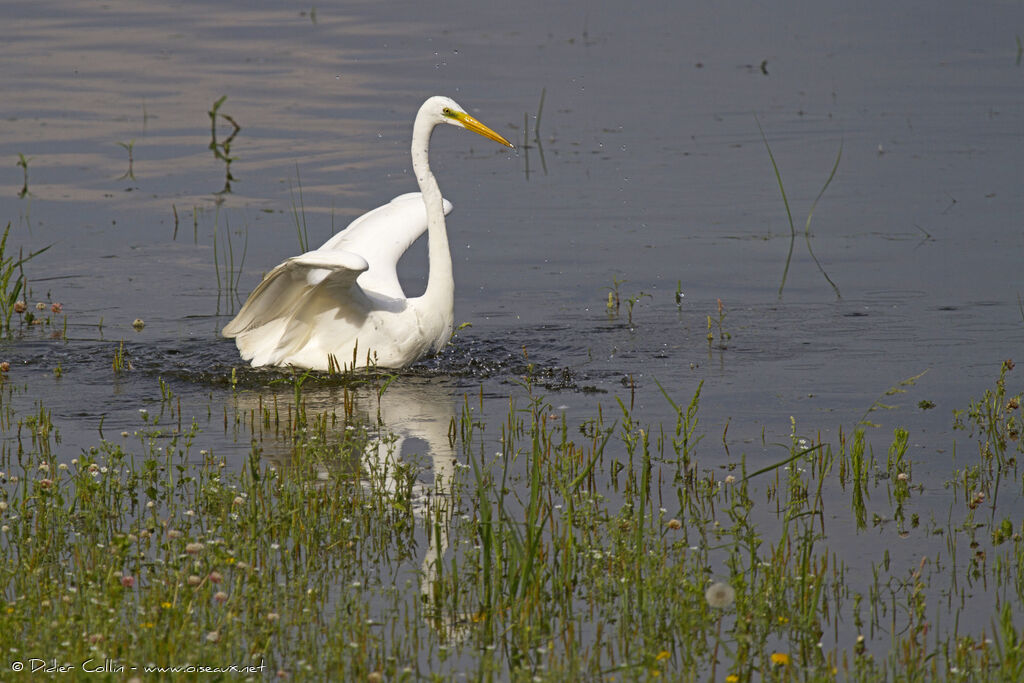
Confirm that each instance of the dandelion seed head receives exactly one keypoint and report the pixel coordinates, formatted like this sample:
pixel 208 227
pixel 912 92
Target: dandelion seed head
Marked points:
pixel 720 595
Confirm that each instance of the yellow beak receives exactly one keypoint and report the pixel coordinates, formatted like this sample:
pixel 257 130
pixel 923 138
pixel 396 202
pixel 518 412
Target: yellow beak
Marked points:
pixel 480 129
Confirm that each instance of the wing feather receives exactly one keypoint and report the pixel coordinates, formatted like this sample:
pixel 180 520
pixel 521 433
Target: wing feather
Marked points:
pixel 382 236
pixel 280 292
pixel 331 293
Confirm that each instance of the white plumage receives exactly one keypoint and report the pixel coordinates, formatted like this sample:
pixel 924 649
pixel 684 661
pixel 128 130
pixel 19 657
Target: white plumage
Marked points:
pixel 341 305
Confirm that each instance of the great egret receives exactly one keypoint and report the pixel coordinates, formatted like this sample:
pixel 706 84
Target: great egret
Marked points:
pixel 341 305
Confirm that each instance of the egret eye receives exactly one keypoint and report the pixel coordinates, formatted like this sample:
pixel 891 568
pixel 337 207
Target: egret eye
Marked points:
pixel 448 112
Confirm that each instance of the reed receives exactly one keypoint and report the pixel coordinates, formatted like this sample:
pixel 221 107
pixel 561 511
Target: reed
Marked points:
pixel 536 548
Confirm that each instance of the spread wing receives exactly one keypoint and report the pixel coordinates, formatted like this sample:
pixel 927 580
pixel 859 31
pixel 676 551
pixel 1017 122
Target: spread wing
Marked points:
pixel 381 237
pixel 318 302
pixel 284 288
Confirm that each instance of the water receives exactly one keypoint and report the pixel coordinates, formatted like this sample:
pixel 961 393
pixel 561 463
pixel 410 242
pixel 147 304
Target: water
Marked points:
pixel 649 170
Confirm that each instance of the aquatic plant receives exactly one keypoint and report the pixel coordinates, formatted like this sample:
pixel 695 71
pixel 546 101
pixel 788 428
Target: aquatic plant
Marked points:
pixel 614 298
pixel 23 165
pixel 121 362
pixel 719 323
pixel 526 145
pixel 533 549
pixel 224 262
pixel 631 302
pixel 130 173
pixel 222 150
pixel 299 213
pixel 12 282
pixel 810 214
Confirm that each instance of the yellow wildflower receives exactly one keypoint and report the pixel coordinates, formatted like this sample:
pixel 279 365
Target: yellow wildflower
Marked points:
pixel 780 658
pixel 732 678
pixel 664 654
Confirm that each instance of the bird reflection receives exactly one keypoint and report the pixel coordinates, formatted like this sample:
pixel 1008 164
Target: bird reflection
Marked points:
pixel 412 417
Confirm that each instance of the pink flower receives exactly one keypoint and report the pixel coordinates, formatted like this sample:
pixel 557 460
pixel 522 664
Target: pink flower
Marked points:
pixel 128 581
pixel 56 307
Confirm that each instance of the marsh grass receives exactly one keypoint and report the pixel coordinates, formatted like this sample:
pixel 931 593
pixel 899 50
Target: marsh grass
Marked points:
pixel 12 282
pixel 553 550
pixel 229 274
pixel 526 145
pixel 299 212
pixel 810 214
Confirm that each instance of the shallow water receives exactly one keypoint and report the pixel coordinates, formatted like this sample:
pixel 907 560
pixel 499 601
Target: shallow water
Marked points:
pixel 649 169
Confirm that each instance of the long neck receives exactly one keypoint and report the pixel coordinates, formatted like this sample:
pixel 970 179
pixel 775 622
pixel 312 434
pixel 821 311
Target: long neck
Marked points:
pixel 440 292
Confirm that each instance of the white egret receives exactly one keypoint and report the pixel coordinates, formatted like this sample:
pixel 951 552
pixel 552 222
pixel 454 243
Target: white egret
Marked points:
pixel 342 305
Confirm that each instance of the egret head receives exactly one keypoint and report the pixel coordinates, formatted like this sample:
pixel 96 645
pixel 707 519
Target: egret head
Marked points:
pixel 447 110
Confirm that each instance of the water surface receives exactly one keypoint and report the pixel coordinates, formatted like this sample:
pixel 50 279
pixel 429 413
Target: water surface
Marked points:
pixel 647 170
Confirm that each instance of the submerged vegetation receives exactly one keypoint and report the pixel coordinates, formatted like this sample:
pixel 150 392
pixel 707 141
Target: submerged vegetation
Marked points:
pixel 222 149
pixel 518 545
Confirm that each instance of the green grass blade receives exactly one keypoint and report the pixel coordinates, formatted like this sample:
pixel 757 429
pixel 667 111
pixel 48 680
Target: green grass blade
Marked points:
pixel 785 201
pixel 807 226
